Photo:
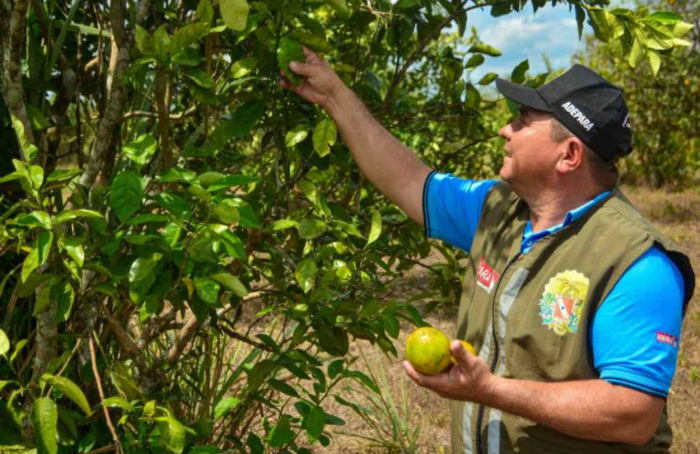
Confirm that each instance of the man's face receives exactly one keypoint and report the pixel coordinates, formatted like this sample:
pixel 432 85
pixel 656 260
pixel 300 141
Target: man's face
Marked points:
pixel 530 151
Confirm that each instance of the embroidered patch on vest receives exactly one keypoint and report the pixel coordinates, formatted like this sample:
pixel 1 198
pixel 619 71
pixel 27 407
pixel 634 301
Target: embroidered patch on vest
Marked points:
pixel 486 277
pixel 562 301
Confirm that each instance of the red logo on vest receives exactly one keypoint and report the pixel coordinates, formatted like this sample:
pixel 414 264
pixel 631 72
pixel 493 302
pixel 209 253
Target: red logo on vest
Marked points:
pixel 486 277
pixel 666 339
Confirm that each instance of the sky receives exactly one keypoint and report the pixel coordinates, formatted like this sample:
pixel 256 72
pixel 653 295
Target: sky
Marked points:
pixel 523 35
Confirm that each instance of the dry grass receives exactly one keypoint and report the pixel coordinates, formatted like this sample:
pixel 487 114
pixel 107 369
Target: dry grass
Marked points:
pixel 677 215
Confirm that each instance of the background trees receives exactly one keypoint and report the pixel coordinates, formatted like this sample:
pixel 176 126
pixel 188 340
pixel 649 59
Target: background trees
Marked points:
pixel 160 184
pixel 665 109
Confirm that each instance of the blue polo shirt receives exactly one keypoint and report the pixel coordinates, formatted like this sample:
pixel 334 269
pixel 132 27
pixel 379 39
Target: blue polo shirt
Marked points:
pixel 636 331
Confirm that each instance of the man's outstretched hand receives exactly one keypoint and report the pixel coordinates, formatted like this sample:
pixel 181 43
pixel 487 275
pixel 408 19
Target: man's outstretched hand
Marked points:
pixel 320 84
pixel 470 379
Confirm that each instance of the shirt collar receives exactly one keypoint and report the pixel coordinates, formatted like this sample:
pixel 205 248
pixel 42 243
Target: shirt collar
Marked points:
pixel 570 217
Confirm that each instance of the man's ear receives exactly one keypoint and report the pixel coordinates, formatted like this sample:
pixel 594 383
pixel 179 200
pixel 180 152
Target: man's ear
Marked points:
pixel 571 151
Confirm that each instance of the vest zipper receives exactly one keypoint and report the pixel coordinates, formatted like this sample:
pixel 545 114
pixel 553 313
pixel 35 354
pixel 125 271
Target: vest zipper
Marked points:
pixel 480 413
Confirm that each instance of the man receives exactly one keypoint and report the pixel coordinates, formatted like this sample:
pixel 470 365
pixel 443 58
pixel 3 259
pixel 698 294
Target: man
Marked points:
pixel 572 300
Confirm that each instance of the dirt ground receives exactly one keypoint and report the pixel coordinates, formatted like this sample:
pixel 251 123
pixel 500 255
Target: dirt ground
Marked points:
pixel 677 215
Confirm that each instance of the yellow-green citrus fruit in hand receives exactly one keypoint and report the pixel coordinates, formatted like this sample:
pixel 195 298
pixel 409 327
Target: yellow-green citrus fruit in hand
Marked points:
pixel 289 51
pixel 468 347
pixel 428 350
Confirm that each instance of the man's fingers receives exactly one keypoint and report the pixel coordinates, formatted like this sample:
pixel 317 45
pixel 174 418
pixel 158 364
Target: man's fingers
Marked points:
pixel 303 69
pixel 308 53
pixel 459 353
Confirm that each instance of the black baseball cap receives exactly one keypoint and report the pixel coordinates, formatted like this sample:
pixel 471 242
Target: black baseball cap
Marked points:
pixel 589 106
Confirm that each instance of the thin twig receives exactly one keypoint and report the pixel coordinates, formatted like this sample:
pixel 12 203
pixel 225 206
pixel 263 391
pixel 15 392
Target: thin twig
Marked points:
pixel 93 358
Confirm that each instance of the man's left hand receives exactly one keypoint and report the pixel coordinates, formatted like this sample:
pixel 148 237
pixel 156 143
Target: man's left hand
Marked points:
pixel 470 379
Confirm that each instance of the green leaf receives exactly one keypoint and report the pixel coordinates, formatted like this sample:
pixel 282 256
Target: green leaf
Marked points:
pixel 654 61
pixel 175 204
pixel 243 67
pixel 234 13
pixel 376 228
pixel 296 135
pixel 391 325
pixel 314 422
pixel 4 344
pixel 488 78
pixel 175 433
pixel 242 121
pixel 207 289
pixel 205 12
pixel 141 149
pixel 474 61
pixel 36 118
pixel 311 228
pixel 63 175
pixel 580 19
pixel 282 433
pixel 481 48
pixel 39 255
pixel 599 22
pixel 232 283
pixel 283 387
pixel 36 219
pixel 282 224
pixel 161 43
pixel 70 390
pixel 664 17
pixel 255 444
pixel 231 181
pixel 306 274
pixel 64 296
pixel 518 74
pixel 288 51
pixel 74 248
pixel 45 420
pixel 333 340
pixel 225 406
pixel 316 43
pixel 126 194
pixel 637 54
pixel 36 176
pixel 339 5
pixel 143 267
pixel 70 215
pixel 200 77
pixel 177 175
pixel 144 41
pixel 325 135
pixel 227 212
pixel 118 402
pixel 184 37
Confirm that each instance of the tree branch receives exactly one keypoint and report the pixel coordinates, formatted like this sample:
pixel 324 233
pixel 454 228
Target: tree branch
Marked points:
pixel 416 53
pixel 12 33
pixel 107 128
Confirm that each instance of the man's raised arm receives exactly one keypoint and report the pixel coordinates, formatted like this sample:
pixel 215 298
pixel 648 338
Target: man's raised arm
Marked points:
pixel 392 167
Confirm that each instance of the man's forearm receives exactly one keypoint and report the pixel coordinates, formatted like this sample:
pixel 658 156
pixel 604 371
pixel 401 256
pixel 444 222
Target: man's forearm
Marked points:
pixel 590 409
pixel 392 167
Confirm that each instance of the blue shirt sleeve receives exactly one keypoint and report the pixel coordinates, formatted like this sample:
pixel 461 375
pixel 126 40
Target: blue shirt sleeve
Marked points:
pixel 636 331
pixel 452 208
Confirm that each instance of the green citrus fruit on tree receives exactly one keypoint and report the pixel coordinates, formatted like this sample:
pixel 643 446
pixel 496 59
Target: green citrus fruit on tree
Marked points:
pixel 428 350
pixel 468 347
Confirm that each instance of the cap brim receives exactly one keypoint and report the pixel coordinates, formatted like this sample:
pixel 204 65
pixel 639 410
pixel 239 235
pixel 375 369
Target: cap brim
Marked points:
pixel 523 95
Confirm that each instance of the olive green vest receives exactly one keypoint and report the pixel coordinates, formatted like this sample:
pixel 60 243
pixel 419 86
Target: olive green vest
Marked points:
pixel 528 315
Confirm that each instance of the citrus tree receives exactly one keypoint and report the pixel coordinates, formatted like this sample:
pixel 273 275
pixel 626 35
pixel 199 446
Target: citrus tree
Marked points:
pixel 665 109
pixel 158 184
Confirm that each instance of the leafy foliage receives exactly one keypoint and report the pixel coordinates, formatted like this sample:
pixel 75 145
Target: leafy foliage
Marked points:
pixel 188 248
pixel 664 109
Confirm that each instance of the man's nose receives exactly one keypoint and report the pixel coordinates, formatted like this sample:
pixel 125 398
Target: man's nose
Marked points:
pixel 506 131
